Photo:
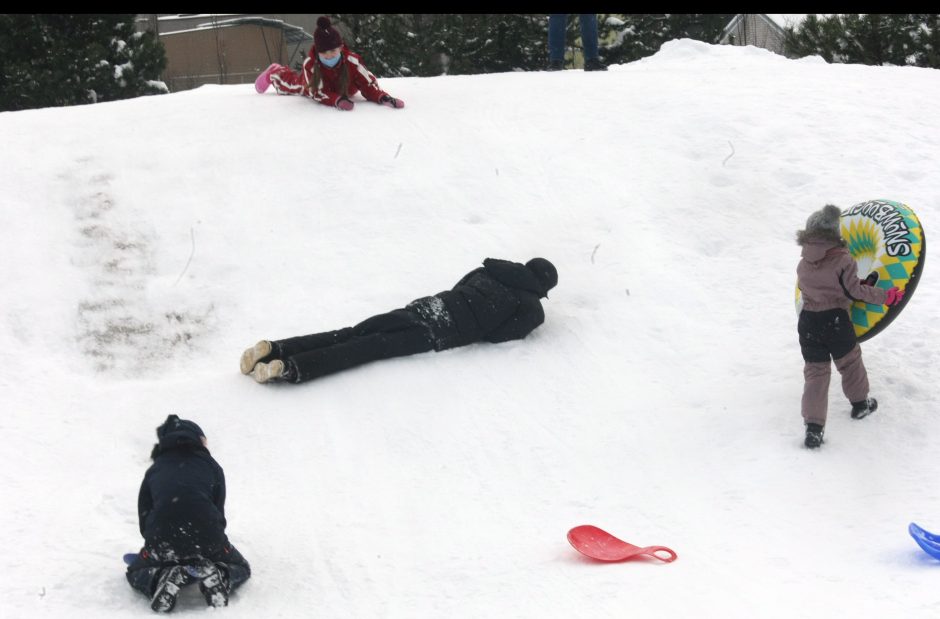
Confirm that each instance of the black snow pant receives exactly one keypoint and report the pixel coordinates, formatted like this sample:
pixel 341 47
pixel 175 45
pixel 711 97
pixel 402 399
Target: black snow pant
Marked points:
pixel 825 337
pixel 397 333
pixel 144 572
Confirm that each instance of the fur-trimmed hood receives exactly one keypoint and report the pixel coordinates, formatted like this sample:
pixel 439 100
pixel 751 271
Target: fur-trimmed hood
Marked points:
pixel 821 225
pixel 818 235
pixel 815 249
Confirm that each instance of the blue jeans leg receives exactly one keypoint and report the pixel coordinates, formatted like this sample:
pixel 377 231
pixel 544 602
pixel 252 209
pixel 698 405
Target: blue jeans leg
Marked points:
pixel 556 35
pixel 589 35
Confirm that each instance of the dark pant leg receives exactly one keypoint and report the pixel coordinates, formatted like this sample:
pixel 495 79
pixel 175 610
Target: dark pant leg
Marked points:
pixel 142 574
pixel 234 564
pixel 589 45
pixel 282 349
pixel 395 320
pixel 394 334
pixel 557 26
pixel 390 321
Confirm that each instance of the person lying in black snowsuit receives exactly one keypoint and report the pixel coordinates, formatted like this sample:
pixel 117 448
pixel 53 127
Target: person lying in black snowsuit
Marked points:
pixel 493 303
pixel 181 507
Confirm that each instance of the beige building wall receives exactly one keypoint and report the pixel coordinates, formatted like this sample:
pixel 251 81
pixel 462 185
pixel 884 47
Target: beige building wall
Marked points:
pixel 229 55
pixel 205 49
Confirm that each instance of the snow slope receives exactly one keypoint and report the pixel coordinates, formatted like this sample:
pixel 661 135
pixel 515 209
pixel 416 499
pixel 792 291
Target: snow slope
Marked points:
pixel 145 243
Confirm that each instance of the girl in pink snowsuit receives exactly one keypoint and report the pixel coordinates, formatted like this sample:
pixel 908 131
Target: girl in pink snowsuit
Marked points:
pixel 829 284
pixel 331 75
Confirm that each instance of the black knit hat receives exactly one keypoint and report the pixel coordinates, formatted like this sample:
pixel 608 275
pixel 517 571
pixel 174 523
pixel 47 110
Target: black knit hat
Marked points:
pixel 174 424
pixel 326 37
pixel 545 272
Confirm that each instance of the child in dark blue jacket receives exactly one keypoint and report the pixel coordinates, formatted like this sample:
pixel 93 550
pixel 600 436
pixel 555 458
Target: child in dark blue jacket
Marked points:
pixel 181 507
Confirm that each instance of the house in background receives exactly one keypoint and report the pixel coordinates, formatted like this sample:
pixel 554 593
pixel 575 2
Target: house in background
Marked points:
pixel 759 30
pixel 226 49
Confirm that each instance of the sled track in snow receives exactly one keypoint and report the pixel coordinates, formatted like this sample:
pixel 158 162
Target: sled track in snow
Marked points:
pixel 122 324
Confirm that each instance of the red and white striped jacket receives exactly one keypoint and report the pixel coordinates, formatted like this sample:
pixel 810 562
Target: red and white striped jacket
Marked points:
pixel 286 81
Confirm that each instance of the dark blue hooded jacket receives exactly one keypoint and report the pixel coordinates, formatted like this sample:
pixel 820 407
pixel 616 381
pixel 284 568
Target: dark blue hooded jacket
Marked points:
pixel 181 505
pixel 497 302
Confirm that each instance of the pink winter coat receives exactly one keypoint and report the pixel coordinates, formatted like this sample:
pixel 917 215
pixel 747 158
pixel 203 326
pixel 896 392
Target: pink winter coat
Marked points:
pixel 828 278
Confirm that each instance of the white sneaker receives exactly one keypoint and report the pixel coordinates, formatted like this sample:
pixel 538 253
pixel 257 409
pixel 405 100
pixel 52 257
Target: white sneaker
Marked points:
pixel 266 372
pixel 251 356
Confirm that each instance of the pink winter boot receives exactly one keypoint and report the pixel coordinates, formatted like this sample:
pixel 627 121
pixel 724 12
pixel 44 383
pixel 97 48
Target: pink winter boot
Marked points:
pixel 264 80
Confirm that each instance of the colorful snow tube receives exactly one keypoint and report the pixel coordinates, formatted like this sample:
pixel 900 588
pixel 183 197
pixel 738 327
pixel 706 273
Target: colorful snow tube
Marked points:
pixel 884 237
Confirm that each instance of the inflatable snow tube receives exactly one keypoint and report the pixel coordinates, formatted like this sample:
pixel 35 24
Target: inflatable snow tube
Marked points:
pixel 884 237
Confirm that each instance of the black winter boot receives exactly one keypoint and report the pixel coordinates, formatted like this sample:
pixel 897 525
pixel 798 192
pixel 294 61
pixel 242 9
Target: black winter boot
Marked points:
pixel 594 64
pixel 169 584
pixel 814 435
pixel 864 408
pixel 214 584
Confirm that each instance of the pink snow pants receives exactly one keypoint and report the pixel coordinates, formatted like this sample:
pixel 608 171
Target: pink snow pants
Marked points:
pixel 816 384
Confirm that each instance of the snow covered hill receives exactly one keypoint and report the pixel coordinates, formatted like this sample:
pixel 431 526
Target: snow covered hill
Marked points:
pixel 145 243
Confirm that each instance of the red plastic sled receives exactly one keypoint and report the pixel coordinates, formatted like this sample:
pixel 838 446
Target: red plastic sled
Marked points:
pixel 601 545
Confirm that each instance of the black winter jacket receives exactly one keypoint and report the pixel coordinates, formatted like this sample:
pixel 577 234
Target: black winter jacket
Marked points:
pixel 181 505
pixel 495 303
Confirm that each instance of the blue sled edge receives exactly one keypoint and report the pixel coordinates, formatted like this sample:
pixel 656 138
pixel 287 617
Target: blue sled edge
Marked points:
pixel 929 542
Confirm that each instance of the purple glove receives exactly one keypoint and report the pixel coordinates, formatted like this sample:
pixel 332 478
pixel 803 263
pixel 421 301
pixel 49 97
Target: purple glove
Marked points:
pixel 894 296
pixel 344 104
pixel 391 102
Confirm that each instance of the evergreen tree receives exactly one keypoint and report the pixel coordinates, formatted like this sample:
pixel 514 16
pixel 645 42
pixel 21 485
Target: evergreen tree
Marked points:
pixel 925 37
pixel 434 44
pixel 381 39
pixel 496 43
pixel 873 39
pixel 398 45
pixel 54 60
pixel 814 36
pixel 427 41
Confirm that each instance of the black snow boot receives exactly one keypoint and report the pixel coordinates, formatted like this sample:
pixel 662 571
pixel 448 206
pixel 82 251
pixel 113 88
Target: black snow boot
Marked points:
pixel 814 435
pixel 213 582
pixel 169 584
pixel 864 408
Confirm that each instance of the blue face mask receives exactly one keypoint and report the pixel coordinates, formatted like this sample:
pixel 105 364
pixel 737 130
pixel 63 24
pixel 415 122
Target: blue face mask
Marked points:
pixel 330 63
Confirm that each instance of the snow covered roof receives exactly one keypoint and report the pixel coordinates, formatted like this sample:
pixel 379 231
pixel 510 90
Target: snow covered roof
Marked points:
pixel 787 20
pixel 292 34
pixel 740 18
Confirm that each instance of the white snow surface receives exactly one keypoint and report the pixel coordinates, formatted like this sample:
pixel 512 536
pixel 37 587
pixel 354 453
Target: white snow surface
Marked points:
pixel 144 244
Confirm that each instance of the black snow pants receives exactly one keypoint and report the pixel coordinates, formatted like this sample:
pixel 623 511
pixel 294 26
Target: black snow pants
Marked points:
pixel 824 336
pixel 397 333
pixel 144 572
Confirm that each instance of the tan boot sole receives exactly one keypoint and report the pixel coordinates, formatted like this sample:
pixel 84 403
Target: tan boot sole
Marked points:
pixel 266 372
pixel 251 356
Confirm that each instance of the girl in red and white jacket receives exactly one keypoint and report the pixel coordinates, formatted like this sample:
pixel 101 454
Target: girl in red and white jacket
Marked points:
pixel 331 75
